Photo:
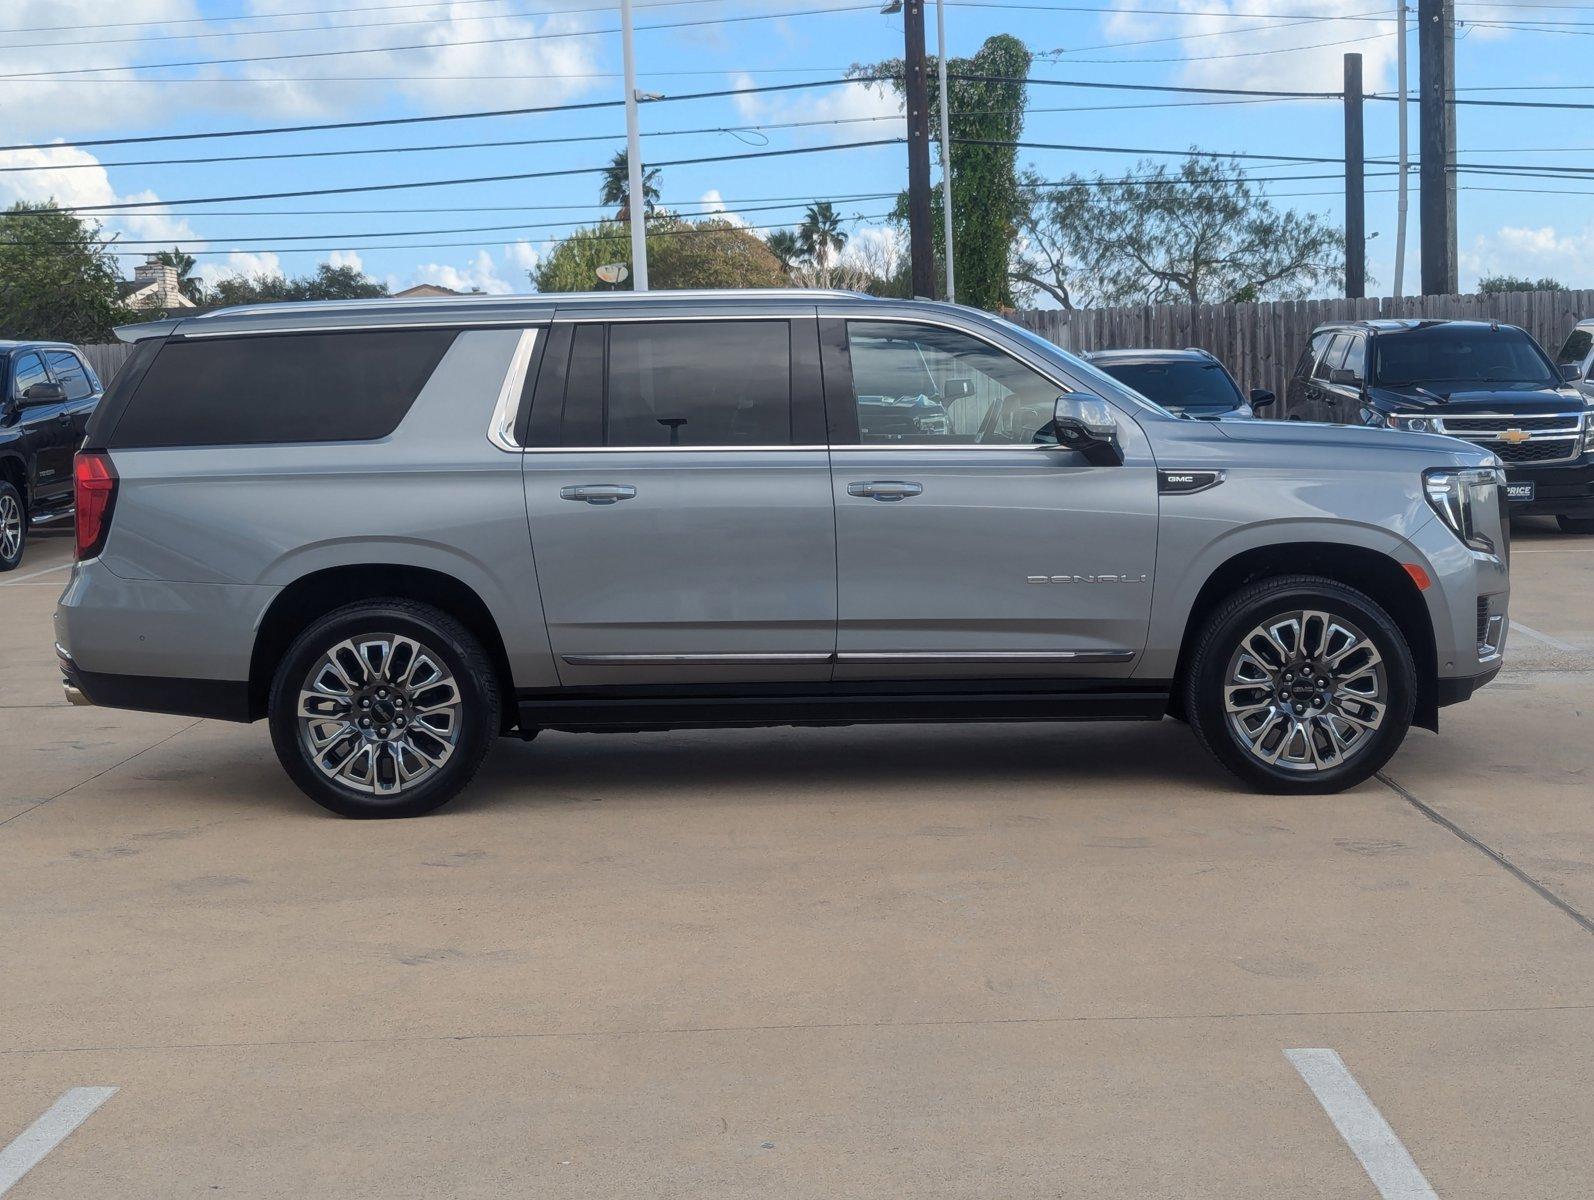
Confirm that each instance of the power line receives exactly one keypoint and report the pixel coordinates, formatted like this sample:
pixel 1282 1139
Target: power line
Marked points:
pixel 492 41
pixel 1190 153
pixel 382 122
pixel 1144 87
pixel 317 12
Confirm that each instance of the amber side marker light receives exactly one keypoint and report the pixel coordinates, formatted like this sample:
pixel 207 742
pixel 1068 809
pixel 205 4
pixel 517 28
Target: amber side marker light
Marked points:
pixel 1418 576
pixel 94 487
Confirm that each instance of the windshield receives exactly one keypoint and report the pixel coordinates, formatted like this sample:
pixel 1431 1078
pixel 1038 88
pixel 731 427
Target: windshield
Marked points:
pixel 1451 358
pixel 1204 386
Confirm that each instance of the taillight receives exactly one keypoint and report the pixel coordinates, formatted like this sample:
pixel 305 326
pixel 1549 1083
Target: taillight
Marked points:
pixel 94 482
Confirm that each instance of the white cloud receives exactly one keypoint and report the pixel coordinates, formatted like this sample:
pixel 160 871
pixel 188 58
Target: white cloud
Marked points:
pixel 347 258
pixel 241 262
pixel 1535 252
pixel 523 256
pixel 849 102
pixel 1274 53
pixel 480 273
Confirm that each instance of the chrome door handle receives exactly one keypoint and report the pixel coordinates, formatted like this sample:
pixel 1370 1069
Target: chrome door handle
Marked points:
pixel 885 489
pixel 598 493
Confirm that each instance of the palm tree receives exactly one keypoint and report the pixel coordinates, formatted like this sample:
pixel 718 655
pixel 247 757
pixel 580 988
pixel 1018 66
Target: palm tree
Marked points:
pixel 786 247
pixel 616 187
pixel 186 283
pixel 820 236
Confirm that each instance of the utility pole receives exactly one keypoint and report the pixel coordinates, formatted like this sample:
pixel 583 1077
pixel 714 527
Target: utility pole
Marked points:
pixel 1355 183
pixel 921 244
pixel 946 147
pixel 1401 185
pixel 637 208
pixel 1436 143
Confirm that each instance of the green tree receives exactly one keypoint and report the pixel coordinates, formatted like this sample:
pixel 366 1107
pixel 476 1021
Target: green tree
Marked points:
pixel 711 253
pixel 328 283
pixel 57 280
pixel 1494 285
pixel 616 187
pixel 786 247
pixel 988 205
pixel 1198 233
pixel 190 287
pixel 821 237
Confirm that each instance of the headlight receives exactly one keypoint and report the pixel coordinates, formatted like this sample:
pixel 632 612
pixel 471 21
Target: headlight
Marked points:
pixel 1460 495
pixel 1413 424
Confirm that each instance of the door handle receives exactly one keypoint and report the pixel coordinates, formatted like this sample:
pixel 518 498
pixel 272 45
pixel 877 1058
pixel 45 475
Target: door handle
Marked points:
pixel 598 493
pixel 885 489
pixel 64 418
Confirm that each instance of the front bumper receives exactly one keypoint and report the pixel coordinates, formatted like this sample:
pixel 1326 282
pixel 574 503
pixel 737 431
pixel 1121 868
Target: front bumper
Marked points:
pixel 1559 489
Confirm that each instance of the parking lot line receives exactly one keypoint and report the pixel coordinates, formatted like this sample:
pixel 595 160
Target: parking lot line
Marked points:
pixel 49 1131
pixel 34 574
pixel 1557 643
pixel 1382 1154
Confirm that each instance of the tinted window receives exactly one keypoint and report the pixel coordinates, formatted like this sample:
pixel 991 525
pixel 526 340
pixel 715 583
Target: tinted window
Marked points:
pixel 1356 357
pixel 698 383
pixel 1576 347
pixel 70 374
pixel 30 370
pixel 1333 357
pixel 1181 384
pixel 1453 357
pixel 1314 347
pixel 925 385
pixel 313 387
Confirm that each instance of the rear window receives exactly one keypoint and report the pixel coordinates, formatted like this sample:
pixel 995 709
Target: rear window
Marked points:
pixel 303 387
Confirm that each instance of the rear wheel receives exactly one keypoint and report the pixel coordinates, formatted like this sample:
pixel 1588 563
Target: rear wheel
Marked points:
pixel 385 708
pixel 1301 685
pixel 13 526
pixel 1575 524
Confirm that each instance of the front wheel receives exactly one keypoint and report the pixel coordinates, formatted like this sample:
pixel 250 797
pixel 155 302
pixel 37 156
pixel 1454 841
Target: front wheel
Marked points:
pixel 384 708
pixel 1300 685
pixel 1575 524
pixel 13 526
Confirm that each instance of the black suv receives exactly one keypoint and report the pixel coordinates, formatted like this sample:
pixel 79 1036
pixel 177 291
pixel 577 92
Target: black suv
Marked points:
pixel 48 395
pixel 1481 381
pixel 1191 382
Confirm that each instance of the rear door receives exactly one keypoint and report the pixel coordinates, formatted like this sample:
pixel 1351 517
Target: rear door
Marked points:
pixel 678 492
pixel 969 544
pixel 1299 402
pixel 47 434
pixel 82 388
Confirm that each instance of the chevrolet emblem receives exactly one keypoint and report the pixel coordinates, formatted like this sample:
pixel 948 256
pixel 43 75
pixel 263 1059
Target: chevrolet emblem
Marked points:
pixel 1515 437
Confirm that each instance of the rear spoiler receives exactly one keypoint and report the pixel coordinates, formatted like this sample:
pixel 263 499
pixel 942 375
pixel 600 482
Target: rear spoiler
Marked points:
pixel 148 329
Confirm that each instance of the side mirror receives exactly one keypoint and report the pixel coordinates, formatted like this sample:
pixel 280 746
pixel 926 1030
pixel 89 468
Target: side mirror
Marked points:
pixel 1344 376
pixel 1261 398
pixel 1088 424
pixel 44 393
pixel 1571 372
pixel 957 389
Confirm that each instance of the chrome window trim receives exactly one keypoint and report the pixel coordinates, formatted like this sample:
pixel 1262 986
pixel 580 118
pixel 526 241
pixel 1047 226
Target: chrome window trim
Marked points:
pixel 363 327
pixel 850 657
pixel 891 448
pixel 506 412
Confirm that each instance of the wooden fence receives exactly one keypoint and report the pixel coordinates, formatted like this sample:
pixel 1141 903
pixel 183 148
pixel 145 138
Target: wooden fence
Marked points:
pixel 1261 342
pixel 106 358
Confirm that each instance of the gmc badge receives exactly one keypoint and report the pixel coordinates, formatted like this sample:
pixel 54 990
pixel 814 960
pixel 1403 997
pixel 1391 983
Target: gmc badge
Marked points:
pixel 1183 483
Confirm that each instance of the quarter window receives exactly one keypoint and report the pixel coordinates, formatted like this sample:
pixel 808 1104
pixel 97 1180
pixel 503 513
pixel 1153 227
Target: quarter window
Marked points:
pixel 1333 357
pixel 1576 347
pixel 924 385
pixel 71 374
pixel 709 383
pixel 29 371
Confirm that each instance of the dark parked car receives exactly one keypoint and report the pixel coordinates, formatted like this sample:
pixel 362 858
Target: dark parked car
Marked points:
pixel 1481 381
pixel 1192 382
pixel 49 393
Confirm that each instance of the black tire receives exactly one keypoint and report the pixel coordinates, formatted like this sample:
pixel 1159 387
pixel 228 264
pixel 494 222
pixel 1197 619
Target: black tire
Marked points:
pixel 477 717
pixel 1575 524
pixel 1217 648
pixel 13 526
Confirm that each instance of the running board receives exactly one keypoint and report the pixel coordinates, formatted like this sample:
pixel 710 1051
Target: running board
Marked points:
pixel 589 712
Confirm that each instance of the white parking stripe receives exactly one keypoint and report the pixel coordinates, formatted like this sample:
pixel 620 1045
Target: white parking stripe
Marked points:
pixel 48 1132
pixel 1527 631
pixel 33 575
pixel 1362 1126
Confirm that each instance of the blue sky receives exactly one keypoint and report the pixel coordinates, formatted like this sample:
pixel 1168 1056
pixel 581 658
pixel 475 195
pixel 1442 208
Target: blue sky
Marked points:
pixel 480 54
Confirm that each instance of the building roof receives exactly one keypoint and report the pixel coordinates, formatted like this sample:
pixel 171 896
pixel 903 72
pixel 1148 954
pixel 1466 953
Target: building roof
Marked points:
pixel 426 289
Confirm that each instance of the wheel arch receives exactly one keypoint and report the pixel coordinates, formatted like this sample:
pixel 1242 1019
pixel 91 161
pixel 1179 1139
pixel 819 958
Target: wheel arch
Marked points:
pixel 15 472
pixel 1371 572
pixel 314 595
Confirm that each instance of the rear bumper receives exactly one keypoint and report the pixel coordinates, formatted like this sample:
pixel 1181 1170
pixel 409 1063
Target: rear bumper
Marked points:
pixel 1565 489
pixel 219 699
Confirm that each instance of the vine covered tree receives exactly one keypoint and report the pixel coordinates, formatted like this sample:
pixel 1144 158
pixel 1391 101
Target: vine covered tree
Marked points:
pixel 988 205
pixel 616 187
pixel 1198 233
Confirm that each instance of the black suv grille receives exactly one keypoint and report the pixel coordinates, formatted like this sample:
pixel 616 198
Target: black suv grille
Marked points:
pixel 1532 452
pixel 1561 422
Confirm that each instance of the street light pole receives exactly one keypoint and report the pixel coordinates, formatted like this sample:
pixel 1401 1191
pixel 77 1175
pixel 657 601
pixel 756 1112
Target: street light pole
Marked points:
pixel 636 209
pixel 946 147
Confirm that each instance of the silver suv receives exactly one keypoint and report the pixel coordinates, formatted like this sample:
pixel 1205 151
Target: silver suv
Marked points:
pixel 396 529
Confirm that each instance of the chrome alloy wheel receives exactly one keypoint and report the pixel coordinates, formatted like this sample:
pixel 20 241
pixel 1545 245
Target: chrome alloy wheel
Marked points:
pixel 379 714
pixel 1306 691
pixel 10 527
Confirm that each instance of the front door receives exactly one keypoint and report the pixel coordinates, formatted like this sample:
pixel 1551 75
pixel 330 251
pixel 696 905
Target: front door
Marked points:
pixel 678 492
pixel 969 545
